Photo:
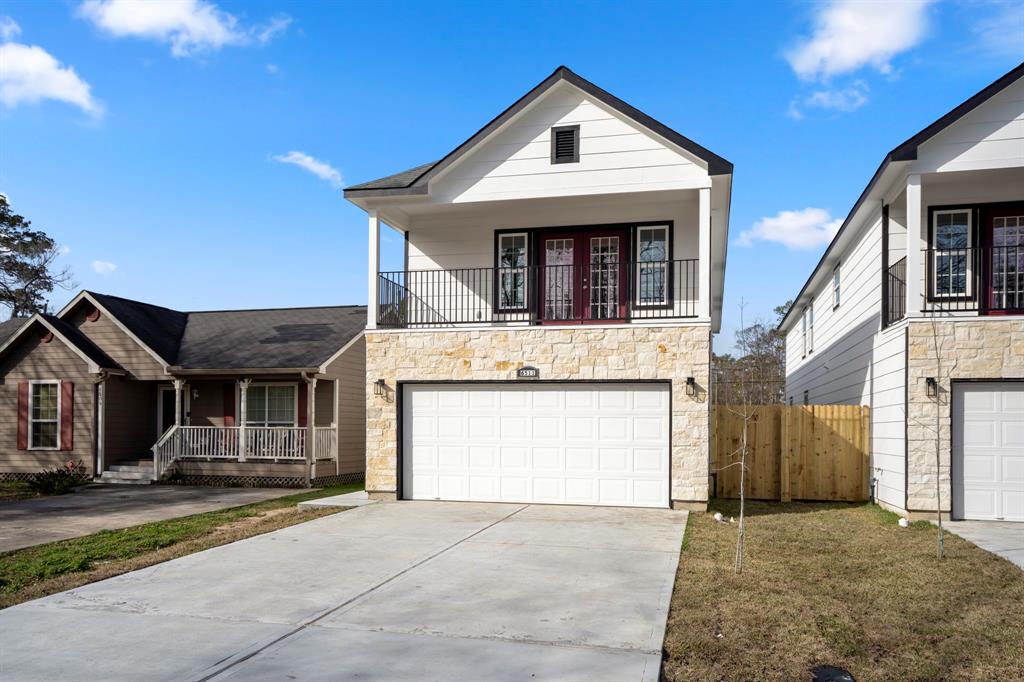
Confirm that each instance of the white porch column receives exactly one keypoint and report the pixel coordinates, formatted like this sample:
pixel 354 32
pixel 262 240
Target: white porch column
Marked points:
pixel 374 270
pixel 704 252
pixel 310 427
pixel 179 385
pixel 334 425
pixel 101 420
pixel 915 255
pixel 243 390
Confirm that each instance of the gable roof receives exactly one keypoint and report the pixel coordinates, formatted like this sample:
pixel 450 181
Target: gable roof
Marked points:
pixel 9 327
pixel 414 180
pixel 68 334
pixel 904 152
pixel 273 338
pixel 157 327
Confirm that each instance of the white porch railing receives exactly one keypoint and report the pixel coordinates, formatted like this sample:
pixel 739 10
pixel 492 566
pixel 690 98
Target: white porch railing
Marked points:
pixel 256 443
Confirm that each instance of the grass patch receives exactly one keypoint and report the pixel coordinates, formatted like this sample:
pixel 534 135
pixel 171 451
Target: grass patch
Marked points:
pixel 46 569
pixel 840 584
pixel 16 490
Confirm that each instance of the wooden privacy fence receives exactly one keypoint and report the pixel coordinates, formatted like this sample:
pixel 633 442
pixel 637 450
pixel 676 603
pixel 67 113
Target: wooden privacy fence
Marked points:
pixel 794 452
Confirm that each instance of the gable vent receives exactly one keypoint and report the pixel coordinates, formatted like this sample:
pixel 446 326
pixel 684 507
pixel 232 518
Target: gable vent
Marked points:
pixel 565 144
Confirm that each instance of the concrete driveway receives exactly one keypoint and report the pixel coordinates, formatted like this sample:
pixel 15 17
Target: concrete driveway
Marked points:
pixel 399 591
pixel 97 507
pixel 1003 538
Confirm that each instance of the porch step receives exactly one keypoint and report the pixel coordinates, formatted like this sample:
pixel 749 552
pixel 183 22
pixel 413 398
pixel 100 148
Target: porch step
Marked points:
pixel 138 473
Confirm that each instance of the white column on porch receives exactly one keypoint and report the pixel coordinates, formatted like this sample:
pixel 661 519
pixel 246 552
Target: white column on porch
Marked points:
pixel 704 252
pixel 179 385
pixel 374 270
pixel 243 393
pixel 915 246
pixel 310 427
pixel 101 420
pixel 334 425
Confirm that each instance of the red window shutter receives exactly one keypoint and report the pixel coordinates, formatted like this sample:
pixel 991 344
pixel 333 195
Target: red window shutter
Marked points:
pixel 229 404
pixel 23 415
pixel 303 400
pixel 67 415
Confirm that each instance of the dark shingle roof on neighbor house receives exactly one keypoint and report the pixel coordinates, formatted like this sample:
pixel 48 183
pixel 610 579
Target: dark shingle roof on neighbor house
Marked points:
pixel 8 327
pixel 272 338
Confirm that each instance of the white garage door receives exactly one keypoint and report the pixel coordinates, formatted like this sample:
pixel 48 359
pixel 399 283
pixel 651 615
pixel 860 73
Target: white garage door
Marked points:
pixel 600 444
pixel 988 451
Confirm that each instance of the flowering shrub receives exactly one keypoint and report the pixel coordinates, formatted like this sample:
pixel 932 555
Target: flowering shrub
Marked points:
pixel 59 480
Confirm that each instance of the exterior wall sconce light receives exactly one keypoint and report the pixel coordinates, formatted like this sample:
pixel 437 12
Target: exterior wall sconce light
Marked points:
pixel 691 386
pixel 195 393
pixel 931 387
pixel 379 387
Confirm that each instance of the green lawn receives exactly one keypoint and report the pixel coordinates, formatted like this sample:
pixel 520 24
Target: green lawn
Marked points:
pixel 840 584
pixel 44 569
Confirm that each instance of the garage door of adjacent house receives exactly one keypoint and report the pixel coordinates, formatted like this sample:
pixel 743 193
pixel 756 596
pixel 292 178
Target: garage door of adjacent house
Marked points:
pixel 558 443
pixel 988 451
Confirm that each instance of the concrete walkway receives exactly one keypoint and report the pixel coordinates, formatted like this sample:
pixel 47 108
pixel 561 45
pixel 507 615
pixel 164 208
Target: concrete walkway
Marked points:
pixel 394 591
pixel 1002 538
pixel 97 507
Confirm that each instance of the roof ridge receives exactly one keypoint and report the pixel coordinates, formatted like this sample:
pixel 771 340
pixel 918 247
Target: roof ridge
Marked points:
pixel 135 301
pixel 282 308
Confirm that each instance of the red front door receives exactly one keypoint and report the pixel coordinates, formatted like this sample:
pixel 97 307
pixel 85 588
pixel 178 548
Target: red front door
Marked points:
pixel 583 276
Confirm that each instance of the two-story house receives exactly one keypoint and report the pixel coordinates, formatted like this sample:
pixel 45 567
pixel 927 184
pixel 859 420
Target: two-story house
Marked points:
pixel 549 338
pixel 917 309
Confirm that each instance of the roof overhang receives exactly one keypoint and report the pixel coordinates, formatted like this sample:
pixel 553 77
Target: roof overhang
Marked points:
pixel 230 371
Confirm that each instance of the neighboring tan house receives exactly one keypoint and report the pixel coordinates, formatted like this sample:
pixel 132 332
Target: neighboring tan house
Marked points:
pixel 240 397
pixel 549 338
pixel 930 331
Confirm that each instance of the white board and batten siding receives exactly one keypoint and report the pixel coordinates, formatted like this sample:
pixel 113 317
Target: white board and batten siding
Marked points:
pixel 616 156
pixel 853 363
pixel 560 443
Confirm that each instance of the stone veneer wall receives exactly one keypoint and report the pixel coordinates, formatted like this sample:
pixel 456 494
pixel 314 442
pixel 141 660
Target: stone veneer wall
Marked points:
pixel 967 349
pixel 576 353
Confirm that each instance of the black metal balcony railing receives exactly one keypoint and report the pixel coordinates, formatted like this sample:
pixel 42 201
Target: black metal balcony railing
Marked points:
pixel 982 279
pixel 895 304
pixel 549 294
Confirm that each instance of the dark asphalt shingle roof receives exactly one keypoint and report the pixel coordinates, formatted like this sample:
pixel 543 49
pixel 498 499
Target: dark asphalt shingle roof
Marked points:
pixel 157 327
pixel 274 338
pixel 398 180
pixel 82 342
pixel 8 327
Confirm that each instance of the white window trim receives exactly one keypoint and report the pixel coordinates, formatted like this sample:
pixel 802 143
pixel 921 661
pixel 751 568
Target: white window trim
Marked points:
pixel 295 395
pixel 836 287
pixel 507 270
pixel 665 264
pixel 60 412
pixel 803 334
pixel 810 328
pixel 936 252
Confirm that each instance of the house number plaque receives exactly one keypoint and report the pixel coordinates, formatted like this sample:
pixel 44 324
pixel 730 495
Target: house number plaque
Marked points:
pixel 527 373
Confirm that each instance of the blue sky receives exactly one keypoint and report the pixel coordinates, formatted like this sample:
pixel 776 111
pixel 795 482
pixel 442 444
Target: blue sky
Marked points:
pixel 190 153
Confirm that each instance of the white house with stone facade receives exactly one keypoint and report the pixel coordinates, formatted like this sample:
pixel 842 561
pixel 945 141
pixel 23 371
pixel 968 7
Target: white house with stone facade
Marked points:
pixel 917 309
pixel 549 338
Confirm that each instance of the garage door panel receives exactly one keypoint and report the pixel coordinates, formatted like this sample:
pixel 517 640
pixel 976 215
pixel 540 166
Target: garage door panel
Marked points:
pixel 554 443
pixel 988 451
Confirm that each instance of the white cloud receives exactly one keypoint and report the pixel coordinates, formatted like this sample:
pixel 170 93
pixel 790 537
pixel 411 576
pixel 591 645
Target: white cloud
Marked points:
pixel 9 28
pixel 29 74
pixel 190 26
pixel 103 267
pixel 851 34
pixel 805 229
pixel 845 99
pixel 273 69
pixel 321 169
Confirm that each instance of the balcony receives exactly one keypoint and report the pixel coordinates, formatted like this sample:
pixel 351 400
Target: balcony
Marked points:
pixel 581 293
pixel 981 280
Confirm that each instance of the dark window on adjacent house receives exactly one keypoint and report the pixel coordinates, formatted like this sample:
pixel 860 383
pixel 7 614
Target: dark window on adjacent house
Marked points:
pixel 565 144
pixel 807 398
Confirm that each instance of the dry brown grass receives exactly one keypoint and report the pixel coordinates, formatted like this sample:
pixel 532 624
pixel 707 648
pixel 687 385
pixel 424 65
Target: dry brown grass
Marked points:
pixel 841 585
pixel 230 531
